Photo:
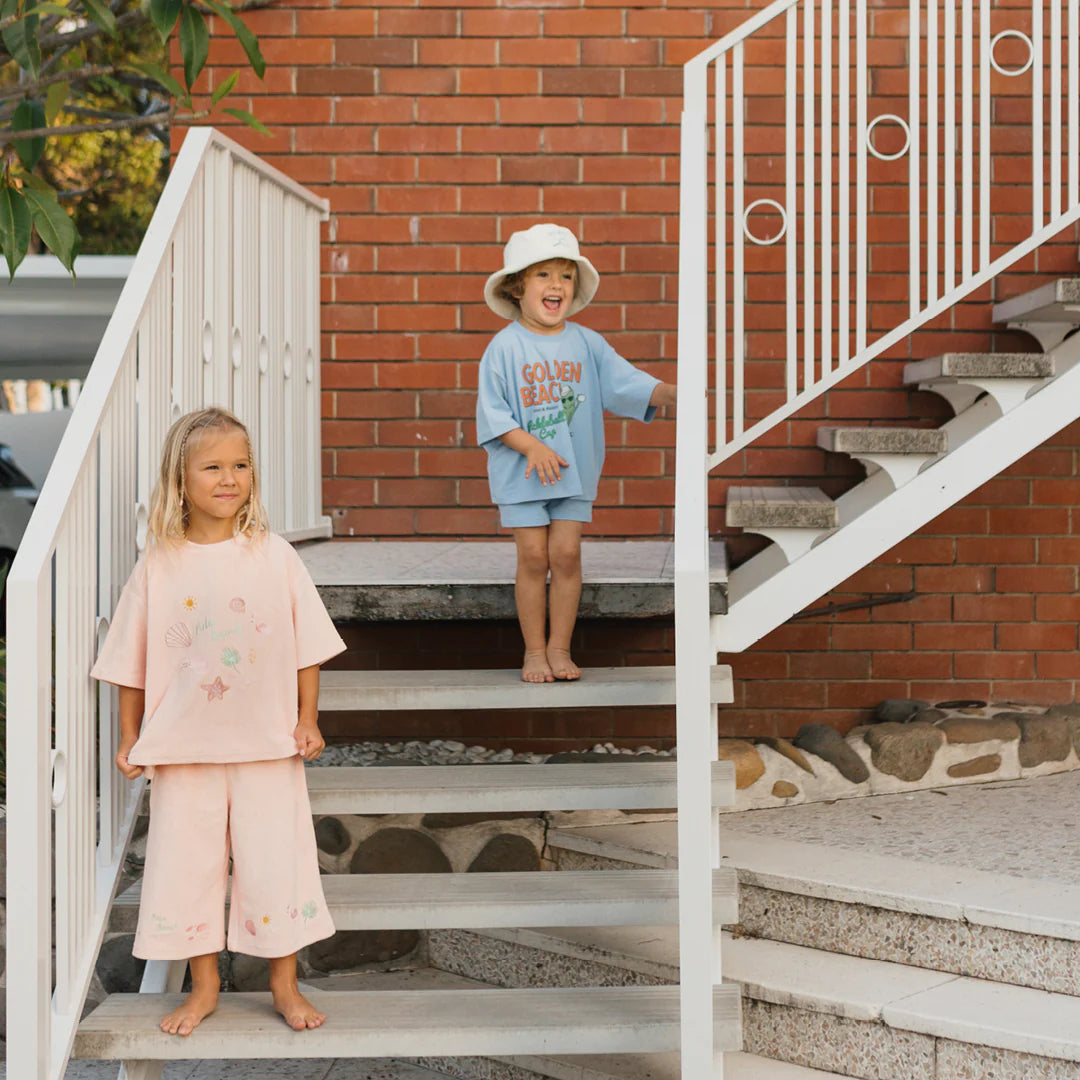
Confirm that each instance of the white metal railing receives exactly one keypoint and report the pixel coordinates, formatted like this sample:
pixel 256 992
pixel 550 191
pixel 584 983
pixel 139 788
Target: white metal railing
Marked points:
pixel 221 307
pixel 787 120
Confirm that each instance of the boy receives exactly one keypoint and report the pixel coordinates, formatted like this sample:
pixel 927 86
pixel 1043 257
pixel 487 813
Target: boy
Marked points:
pixel 544 386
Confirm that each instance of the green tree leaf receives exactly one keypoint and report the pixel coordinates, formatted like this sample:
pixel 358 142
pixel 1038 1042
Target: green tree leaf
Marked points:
pixel 163 14
pixel 251 121
pixel 55 97
pixel 225 88
pixel 20 39
pixel 160 75
pixel 194 43
pixel 246 38
pixel 53 224
pixel 14 226
pixel 27 117
pixel 101 14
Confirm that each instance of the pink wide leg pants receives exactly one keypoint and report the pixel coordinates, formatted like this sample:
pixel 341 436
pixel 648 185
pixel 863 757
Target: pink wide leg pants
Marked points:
pixel 257 810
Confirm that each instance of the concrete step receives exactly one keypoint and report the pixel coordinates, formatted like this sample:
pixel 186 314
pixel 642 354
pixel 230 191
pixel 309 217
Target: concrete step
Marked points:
pixel 980 366
pixel 1048 313
pixel 858 441
pixel 737 1066
pixel 409 1023
pixel 626 783
pixel 504 689
pixel 780 507
pixel 435 901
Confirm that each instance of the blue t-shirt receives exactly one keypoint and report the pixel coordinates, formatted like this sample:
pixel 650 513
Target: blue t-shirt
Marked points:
pixel 556 387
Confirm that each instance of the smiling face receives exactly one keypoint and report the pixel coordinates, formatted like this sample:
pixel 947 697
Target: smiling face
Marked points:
pixel 217 484
pixel 547 290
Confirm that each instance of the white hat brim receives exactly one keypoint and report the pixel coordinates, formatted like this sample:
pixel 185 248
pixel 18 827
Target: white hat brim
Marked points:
pixel 588 281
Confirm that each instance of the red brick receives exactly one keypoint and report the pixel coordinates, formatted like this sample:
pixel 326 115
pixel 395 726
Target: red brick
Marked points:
pixel 1053 608
pixel 373 522
pixel 826 665
pixel 419 22
pixel 335 23
pixel 542 52
pixel 995 550
pixel 464 462
pixel 498 81
pixel 348 492
pixel 994 608
pixel 418 81
pixel 416 492
pixel 458 52
pixel 375 404
pixel 373 461
pixel 1036 579
pixel 375 52
pixel 1063 665
pixel 994 665
pixel 875 636
pixel 602 82
pixel 500 24
pixel 957 579
pixel 1058 549
pixel 912 665
pixel 790 693
pixel 864 695
pixel 1040 636
pixel 334 81
pixel 600 52
pixel 796 637
pixel 1055 492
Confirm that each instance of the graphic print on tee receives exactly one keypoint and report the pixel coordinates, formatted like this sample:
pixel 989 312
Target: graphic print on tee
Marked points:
pixel 552 383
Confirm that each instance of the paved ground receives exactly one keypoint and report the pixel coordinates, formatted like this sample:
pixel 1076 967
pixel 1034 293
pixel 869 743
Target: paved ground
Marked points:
pixel 314 1069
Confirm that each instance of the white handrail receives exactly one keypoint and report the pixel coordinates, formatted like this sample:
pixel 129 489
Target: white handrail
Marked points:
pixel 180 337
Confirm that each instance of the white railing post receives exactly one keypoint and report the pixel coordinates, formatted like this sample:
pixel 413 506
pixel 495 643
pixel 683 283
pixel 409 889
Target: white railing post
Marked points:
pixel 699 966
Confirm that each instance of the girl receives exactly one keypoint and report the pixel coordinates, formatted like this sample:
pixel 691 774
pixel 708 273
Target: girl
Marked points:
pixel 216 645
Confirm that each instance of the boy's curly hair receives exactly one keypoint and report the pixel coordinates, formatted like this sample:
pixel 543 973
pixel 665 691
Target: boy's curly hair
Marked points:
pixel 512 287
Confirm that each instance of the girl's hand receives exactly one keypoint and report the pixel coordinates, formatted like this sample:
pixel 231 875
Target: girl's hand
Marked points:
pixel 130 771
pixel 546 463
pixel 309 740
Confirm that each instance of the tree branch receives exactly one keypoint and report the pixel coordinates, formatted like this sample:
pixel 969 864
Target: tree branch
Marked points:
pixel 133 123
pixel 30 89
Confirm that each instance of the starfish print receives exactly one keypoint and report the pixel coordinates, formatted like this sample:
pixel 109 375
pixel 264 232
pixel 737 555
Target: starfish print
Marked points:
pixel 215 691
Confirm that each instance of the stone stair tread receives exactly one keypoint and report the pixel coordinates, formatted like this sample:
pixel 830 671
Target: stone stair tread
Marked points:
pixel 980 366
pixel 940 1004
pixel 780 507
pixel 409 1023
pixel 503 688
pixel 737 1066
pixel 1056 301
pixel 883 440
pixel 420 789
pixel 526 898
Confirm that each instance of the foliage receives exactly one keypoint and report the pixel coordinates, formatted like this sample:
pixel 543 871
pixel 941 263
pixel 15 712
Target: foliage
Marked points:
pixel 68 68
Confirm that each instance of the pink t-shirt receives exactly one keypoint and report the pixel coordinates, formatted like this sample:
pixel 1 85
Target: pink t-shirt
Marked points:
pixel 215 634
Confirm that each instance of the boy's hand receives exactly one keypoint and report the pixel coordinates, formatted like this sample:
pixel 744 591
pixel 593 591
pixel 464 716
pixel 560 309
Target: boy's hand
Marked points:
pixel 663 394
pixel 130 771
pixel 309 740
pixel 546 463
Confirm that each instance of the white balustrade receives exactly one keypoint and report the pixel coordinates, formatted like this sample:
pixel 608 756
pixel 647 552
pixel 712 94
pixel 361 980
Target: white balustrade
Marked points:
pixel 222 300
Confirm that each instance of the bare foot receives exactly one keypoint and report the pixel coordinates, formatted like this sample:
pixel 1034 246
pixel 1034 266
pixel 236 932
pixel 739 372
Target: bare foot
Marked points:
pixel 535 667
pixel 200 1003
pixel 562 665
pixel 298 1012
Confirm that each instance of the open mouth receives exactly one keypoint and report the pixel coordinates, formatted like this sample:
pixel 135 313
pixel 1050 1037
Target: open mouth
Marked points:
pixel 552 303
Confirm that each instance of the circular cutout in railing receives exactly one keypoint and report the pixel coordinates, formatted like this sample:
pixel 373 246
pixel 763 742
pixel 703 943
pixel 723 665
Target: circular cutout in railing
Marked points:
pixel 237 348
pixel 264 355
pixel 142 522
pixel 1011 73
pixel 757 239
pixel 286 361
pixel 207 342
pixel 58 763
pixel 309 367
pixel 870 141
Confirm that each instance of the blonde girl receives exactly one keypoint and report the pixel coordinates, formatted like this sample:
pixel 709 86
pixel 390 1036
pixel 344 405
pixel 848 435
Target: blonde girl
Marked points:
pixel 216 645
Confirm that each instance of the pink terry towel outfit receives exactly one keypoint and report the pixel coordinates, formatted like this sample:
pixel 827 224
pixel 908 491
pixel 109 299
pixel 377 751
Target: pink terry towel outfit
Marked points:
pixel 215 634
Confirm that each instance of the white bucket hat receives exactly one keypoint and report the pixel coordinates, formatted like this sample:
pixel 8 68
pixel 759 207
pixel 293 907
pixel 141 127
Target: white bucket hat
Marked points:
pixel 535 245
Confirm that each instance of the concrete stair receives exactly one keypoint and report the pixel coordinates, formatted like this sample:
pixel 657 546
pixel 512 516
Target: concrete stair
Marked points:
pixel 1047 313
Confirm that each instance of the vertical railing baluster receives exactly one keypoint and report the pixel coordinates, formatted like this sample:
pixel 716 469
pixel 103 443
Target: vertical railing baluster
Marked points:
pixel 826 187
pixel 914 162
pixel 809 196
pixel 967 147
pixel 720 246
pixel 1037 148
pixel 843 210
pixel 984 134
pixel 948 93
pixel 738 292
pixel 791 166
pixel 860 184
pixel 932 162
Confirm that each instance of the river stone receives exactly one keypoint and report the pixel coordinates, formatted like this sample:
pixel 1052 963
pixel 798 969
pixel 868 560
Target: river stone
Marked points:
pixel 1042 738
pixel 898 710
pixel 783 789
pixel 1064 712
pixel 118 970
pixel 748 763
pixel 830 746
pixel 505 852
pixel 453 821
pixel 905 751
pixel 976 766
pixel 928 716
pixel 785 749
pixel 350 949
pixel 399 851
pixel 332 836
pixel 973 729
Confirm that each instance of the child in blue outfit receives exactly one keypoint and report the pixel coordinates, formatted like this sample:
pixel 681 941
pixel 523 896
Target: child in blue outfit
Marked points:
pixel 545 384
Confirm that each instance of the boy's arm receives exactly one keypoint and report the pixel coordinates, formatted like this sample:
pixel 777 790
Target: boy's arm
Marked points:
pixel 663 394
pixel 309 740
pixel 538 455
pixel 132 705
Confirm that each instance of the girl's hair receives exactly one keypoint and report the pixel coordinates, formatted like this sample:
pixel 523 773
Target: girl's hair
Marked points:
pixel 168 508
pixel 512 287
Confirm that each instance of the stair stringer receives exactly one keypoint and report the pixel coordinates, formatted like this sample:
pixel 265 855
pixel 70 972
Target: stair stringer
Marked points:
pixel 764 592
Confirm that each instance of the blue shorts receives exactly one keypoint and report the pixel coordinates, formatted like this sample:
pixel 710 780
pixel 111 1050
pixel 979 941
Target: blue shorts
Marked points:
pixel 543 512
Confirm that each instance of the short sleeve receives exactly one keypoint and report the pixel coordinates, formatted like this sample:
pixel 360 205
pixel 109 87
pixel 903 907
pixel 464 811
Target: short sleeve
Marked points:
pixel 494 416
pixel 122 659
pixel 317 640
pixel 625 390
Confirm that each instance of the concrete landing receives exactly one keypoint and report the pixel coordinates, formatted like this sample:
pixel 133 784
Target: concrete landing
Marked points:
pixel 371 581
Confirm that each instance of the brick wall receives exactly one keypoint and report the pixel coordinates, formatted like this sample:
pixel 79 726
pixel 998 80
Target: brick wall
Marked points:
pixel 436 130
